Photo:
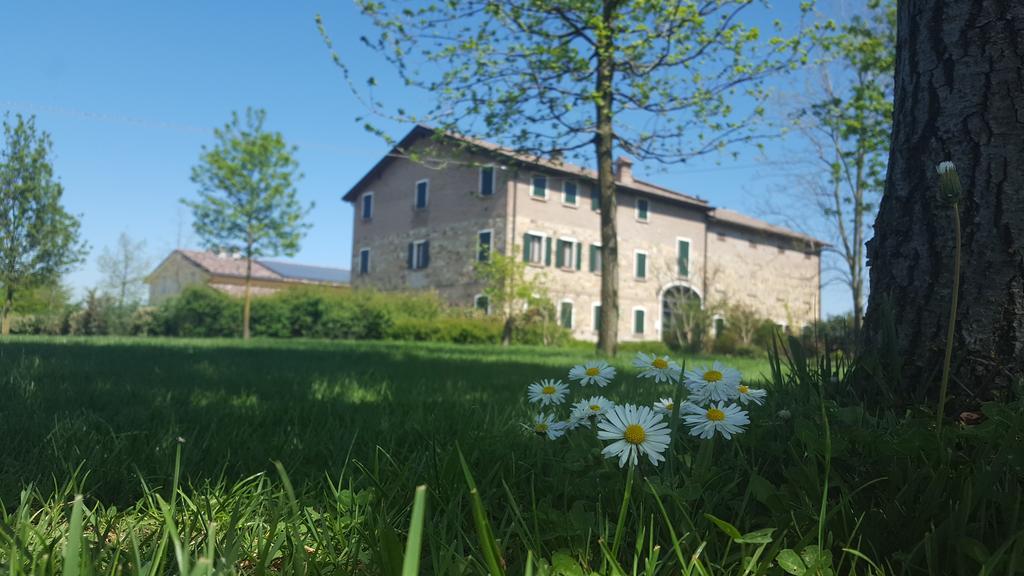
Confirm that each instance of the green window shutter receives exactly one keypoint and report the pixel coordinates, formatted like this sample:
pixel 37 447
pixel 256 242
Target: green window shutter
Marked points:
pixel 560 254
pixel 642 206
pixel 566 314
pixel 684 258
pixel 547 251
pixel 593 258
pixel 641 266
pixel 595 198
pixel 526 247
pixel 579 255
pixel 638 321
pixel 597 317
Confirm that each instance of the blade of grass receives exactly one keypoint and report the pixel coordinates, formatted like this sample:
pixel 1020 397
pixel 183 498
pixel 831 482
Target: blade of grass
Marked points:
pixel 411 564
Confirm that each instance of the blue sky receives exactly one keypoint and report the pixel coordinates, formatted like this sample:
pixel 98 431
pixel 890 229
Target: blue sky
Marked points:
pixel 130 91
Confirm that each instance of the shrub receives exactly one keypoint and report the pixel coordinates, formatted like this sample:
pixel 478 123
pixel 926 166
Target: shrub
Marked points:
pixel 448 329
pixel 200 311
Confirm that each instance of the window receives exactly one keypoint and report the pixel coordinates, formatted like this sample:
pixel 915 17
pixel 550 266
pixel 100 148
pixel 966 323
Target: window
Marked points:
pixel 719 326
pixel 597 317
pixel 565 315
pixel 640 268
pixel 422 194
pixel 683 257
pixel 642 206
pixel 483 303
pixel 483 246
pixel 540 187
pixel 536 248
pixel 367 212
pixel 364 261
pixel 595 198
pixel 639 318
pixel 595 258
pixel 567 254
pixel 487 181
pixel 569 193
pixel 419 254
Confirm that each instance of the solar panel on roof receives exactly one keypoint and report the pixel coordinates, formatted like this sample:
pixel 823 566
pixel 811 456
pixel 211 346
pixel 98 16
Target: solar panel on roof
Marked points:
pixel 310 273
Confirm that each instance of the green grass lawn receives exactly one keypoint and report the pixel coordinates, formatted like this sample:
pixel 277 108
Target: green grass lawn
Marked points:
pixel 358 425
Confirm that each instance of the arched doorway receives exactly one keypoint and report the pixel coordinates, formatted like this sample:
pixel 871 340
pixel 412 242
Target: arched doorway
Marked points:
pixel 681 308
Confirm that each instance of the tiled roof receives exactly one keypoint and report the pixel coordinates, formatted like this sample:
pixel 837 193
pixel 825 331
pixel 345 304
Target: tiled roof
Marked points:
pixel 269 270
pixel 742 220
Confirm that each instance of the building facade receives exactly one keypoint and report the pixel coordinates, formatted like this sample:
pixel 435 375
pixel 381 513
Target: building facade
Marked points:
pixel 226 273
pixel 422 213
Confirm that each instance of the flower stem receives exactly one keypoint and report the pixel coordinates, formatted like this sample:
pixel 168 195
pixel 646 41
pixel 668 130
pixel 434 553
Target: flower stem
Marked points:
pixel 951 331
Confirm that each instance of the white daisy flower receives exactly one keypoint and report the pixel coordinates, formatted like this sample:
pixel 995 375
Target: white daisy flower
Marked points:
pixel 748 394
pixel 664 406
pixel 593 372
pixel 548 392
pixel 726 420
pixel 717 384
pixel 586 410
pixel 635 430
pixel 662 369
pixel 545 425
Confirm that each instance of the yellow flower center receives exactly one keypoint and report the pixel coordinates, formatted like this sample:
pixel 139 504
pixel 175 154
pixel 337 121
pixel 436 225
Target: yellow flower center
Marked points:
pixel 549 390
pixel 744 389
pixel 660 363
pixel 715 415
pixel 541 428
pixel 593 371
pixel 595 407
pixel 712 376
pixel 670 406
pixel 635 434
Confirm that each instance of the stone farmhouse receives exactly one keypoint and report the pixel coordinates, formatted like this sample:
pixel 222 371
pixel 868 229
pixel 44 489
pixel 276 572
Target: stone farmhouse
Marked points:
pixel 437 203
pixel 226 273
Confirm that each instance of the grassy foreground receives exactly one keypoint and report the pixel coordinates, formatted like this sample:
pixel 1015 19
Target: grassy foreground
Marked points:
pixel 304 457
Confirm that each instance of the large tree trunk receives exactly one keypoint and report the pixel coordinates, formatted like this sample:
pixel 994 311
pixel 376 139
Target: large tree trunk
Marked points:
pixel 608 335
pixel 5 314
pixel 959 97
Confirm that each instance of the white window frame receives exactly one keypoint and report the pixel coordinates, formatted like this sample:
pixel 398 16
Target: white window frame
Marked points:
pixel 547 187
pixel 572 313
pixel 480 181
pixel 543 237
pixel 599 257
pixel 636 209
pixel 416 254
pixel 362 204
pixel 689 264
pixel 369 257
pixel 632 321
pixel 594 306
pixel 490 244
pixel 636 262
pixel 576 199
pixel 571 267
pixel 416 195
pixel 476 300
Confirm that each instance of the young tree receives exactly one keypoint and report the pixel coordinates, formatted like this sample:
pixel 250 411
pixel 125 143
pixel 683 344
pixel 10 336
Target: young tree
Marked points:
pixel 848 131
pixel 39 240
pixel 959 89
pixel 655 79
pixel 247 197
pixel 123 268
pixel 508 290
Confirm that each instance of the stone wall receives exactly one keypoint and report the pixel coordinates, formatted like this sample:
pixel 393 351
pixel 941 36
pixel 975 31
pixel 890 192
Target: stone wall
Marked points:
pixel 451 222
pixel 171 277
pixel 777 277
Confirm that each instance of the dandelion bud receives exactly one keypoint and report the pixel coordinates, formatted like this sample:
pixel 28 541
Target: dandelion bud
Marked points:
pixel 949 182
pixel 784 415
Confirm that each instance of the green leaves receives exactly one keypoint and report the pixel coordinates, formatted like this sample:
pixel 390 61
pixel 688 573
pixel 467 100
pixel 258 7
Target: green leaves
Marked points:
pixel 811 562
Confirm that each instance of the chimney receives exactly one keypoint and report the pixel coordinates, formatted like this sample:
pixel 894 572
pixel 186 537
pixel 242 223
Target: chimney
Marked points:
pixel 222 254
pixel 624 170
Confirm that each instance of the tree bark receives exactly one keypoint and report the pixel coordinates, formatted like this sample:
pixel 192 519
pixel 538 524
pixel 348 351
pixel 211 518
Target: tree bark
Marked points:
pixel 607 336
pixel 5 321
pixel 960 97
pixel 246 308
